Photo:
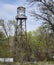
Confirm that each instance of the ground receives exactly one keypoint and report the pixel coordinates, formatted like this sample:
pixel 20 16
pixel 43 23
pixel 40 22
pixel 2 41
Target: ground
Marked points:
pixel 28 63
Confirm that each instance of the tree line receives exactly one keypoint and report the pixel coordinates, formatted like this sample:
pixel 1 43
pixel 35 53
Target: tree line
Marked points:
pixel 40 43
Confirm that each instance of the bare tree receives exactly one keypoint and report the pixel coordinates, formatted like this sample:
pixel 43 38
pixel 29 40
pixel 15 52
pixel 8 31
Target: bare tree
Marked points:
pixel 46 8
pixel 6 28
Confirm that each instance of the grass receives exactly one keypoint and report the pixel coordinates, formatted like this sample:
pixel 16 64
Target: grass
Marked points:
pixel 51 62
pixel 37 63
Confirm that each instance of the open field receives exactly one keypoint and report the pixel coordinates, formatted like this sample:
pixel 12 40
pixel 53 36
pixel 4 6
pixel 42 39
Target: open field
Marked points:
pixel 40 63
pixel 28 63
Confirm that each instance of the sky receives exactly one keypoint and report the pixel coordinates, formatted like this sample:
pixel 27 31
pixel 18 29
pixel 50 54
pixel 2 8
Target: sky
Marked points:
pixel 8 11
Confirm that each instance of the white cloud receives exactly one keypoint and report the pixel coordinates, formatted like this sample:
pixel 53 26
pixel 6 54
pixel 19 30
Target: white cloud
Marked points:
pixel 7 11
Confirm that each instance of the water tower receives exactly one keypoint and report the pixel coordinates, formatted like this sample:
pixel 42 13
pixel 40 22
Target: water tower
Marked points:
pixel 20 33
